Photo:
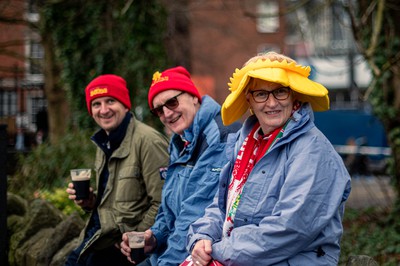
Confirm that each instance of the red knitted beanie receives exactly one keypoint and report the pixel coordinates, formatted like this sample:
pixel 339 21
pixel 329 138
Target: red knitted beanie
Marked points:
pixel 177 78
pixel 107 85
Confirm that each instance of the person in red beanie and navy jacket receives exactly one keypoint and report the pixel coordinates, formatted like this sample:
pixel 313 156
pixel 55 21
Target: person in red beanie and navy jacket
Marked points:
pixel 129 160
pixel 197 155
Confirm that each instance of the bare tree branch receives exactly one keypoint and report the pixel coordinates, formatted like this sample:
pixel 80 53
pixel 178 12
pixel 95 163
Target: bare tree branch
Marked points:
pixel 368 13
pixel 356 26
pixel 376 29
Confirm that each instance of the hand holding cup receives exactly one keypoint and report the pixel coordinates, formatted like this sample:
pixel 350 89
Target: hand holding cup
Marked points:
pixel 86 201
pixel 136 244
pixel 81 180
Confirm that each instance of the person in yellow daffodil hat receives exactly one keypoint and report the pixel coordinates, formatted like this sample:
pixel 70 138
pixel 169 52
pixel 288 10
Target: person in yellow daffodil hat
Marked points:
pixel 276 68
pixel 281 195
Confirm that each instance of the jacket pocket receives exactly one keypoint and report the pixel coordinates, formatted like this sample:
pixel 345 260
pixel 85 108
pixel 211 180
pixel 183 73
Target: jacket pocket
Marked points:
pixel 130 186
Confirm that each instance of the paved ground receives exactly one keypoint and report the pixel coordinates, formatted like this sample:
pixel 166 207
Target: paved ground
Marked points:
pixel 370 191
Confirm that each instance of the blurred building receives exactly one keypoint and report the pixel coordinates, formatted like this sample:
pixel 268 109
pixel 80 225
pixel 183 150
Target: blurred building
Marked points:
pixel 211 38
pixel 21 78
pixel 222 35
pixel 214 37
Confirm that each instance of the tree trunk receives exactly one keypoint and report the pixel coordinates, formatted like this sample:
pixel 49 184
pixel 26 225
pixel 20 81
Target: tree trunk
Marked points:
pixel 376 28
pixel 394 11
pixel 178 37
pixel 58 109
pixel 392 125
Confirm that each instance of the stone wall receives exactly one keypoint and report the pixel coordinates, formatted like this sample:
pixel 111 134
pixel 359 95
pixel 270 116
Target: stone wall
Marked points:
pixel 39 234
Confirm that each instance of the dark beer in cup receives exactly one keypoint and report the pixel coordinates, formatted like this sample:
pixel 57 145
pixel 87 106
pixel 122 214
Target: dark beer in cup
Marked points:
pixel 137 255
pixel 136 243
pixel 81 180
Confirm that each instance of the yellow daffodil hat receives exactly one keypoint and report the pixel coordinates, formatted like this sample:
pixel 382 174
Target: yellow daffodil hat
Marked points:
pixel 284 71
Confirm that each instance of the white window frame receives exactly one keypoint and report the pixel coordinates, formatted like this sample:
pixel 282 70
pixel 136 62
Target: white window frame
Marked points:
pixel 268 16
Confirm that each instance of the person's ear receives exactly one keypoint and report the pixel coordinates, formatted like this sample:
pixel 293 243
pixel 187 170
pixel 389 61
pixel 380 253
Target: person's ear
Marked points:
pixel 195 100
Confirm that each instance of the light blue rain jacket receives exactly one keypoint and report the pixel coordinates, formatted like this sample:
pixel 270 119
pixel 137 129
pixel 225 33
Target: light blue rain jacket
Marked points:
pixel 191 182
pixel 292 204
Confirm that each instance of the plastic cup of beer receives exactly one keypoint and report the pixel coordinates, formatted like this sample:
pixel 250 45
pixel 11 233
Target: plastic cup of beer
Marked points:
pixel 136 243
pixel 81 180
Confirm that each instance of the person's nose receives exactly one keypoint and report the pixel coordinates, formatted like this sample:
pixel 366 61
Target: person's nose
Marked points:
pixel 104 108
pixel 167 112
pixel 271 101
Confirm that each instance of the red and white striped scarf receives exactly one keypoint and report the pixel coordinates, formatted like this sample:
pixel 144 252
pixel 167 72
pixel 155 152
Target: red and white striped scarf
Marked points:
pixel 253 148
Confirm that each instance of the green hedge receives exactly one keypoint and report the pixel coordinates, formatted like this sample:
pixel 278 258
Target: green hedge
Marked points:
pixel 372 232
pixel 44 171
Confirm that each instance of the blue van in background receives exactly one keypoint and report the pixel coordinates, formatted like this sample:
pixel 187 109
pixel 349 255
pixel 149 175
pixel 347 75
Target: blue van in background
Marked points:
pixel 358 136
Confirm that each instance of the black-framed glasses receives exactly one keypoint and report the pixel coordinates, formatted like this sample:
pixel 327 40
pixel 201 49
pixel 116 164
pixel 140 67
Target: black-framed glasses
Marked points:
pixel 171 104
pixel 261 96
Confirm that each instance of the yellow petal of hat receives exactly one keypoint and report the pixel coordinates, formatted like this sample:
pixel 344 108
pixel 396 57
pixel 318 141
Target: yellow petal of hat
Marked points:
pixel 288 74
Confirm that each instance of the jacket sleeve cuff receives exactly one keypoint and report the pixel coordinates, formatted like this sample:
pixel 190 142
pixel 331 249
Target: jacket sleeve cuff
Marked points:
pixel 192 240
pixel 161 239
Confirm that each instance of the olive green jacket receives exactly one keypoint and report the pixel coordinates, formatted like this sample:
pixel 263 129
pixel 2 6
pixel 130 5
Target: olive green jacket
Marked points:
pixel 133 192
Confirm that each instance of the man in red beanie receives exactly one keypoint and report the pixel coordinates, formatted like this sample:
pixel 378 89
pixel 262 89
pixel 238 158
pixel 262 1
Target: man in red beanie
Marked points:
pixel 197 154
pixel 130 159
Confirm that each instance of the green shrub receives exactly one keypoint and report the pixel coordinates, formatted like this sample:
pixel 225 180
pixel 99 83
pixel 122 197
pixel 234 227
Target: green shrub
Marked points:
pixel 59 198
pixel 47 166
pixel 369 232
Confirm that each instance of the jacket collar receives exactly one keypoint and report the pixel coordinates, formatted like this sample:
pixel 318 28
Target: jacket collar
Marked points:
pixel 208 110
pixel 301 121
pixel 110 143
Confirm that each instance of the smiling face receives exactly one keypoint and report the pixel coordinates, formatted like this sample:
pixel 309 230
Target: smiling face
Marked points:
pixel 182 116
pixel 108 113
pixel 272 113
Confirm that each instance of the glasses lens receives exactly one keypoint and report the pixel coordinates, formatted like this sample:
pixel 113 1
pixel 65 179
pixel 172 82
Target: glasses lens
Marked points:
pixel 157 111
pixel 172 103
pixel 281 93
pixel 260 95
